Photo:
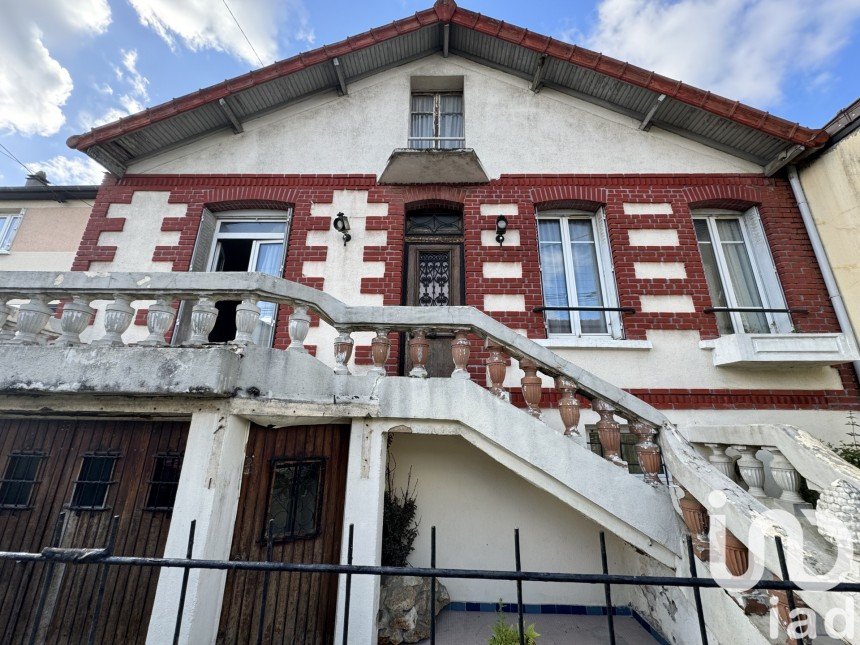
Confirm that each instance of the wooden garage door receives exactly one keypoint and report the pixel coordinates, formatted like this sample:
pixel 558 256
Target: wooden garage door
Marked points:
pixel 296 476
pixel 119 458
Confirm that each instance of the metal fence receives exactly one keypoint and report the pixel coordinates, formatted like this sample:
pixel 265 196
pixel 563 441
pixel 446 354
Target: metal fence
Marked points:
pixel 103 557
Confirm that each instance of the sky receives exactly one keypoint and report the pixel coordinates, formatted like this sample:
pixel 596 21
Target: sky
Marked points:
pixel 67 66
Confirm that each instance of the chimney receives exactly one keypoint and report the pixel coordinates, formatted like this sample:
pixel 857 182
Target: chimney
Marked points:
pixel 37 179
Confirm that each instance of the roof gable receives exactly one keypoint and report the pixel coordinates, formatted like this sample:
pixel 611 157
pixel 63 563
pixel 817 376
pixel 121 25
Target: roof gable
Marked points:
pixel 657 100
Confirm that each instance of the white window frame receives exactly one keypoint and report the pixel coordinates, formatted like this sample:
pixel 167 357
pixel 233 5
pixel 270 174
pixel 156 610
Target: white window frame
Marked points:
pixel 8 221
pixel 761 260
pixel 436 139
pixel 605 269
pixel 257 238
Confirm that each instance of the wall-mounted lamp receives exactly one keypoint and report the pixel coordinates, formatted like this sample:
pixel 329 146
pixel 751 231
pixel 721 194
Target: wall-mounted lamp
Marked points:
pixel 341 225
pixel 501 228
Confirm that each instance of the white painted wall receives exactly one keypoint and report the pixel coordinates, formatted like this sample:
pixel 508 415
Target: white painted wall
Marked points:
pixel 676 361
pixel 362 508
pixel 512 129
pixel 476 504
pixel 208 492
pixel 135 244
pixel 344 266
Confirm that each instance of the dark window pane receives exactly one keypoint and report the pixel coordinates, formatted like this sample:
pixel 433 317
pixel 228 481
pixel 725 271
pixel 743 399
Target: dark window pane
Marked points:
pixel 296 492
pixel 628 447
pixel 165 481
pixel 92 484
pixel 16 487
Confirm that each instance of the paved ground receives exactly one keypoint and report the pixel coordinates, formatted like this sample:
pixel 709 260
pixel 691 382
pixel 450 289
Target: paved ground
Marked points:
pixel 475 628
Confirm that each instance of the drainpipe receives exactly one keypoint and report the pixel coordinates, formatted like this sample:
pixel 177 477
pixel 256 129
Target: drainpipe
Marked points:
pixel 823 263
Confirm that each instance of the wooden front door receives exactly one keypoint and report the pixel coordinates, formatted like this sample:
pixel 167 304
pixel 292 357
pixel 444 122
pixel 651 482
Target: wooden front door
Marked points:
pixel 295 482
pixel 434 279
pixel 92 470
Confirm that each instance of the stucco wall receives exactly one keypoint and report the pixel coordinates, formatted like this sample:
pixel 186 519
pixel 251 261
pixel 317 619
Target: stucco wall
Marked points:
pixel 832 187
pixel 547 132
pixel 48 237
pixel 475 505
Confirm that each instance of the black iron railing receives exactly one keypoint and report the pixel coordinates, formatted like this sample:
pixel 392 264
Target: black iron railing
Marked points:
pixel 753 310
pixel 104 558
pixel 623 310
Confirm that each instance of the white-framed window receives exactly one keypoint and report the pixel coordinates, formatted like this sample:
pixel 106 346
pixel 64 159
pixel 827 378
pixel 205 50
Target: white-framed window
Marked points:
pixel 252 241
pixel 9 223
pixel 437 121
pixel 740 272
pixel 576 272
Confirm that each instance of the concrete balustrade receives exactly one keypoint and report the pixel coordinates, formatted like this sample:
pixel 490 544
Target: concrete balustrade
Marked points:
pixel 127 293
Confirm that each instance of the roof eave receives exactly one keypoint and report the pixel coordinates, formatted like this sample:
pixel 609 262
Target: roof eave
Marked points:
pixel 446 12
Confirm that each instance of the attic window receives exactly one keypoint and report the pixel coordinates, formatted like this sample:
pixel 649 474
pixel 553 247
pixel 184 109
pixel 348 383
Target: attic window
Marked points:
pixel 437 114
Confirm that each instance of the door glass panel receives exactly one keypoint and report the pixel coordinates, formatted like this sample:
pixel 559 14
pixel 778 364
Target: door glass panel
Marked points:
pixel 554 278
pixel 586 276
pixel 434 279
pixel 712 276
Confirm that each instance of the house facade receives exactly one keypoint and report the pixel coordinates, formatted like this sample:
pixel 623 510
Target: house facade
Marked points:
pixel 451 251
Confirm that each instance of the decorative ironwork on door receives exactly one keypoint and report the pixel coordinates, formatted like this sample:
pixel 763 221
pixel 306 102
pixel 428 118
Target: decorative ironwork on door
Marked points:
pixel 434 279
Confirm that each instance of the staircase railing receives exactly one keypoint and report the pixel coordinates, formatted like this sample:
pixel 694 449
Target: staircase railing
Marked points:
pixel 161 293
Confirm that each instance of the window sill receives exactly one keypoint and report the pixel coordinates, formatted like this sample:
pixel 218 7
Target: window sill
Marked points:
pixel 591 342
pixel 780 350
pixel 2 252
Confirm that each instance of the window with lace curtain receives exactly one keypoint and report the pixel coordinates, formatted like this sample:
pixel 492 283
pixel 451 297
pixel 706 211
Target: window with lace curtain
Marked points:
pixel 740 273
pixel 436 121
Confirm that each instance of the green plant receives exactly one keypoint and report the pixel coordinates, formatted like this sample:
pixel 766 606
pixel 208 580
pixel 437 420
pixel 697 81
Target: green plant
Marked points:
pixel 850 452
pixel 399 526
pixel 505 634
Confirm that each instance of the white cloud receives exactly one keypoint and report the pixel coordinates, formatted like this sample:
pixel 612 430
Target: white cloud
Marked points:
pixel 129 102
pixel 207 24
pixel 62 170
pixel 34 86
pixel 743 49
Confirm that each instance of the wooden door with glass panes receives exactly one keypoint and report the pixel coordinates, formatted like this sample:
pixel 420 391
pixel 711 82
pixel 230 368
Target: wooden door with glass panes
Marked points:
pixel 293 484
pixel 434 279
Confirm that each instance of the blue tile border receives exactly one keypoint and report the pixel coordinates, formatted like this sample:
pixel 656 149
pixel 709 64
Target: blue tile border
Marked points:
pixel 569 610
pixel 647 627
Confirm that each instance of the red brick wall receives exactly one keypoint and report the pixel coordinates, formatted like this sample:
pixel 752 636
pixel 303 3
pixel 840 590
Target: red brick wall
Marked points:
pixel 792 252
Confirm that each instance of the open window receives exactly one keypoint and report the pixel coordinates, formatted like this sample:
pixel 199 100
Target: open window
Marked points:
pixel 244 241
pixel 740 273
pixel 576 267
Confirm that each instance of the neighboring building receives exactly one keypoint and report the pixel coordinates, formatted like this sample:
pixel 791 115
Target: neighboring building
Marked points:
pixel 613 233
pixel 831 181
pixel 41 225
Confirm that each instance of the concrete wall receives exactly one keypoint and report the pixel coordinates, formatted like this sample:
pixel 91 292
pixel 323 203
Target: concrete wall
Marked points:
pixel 48 237
pixel 475 505
pixel 547 132
pixel 832 187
